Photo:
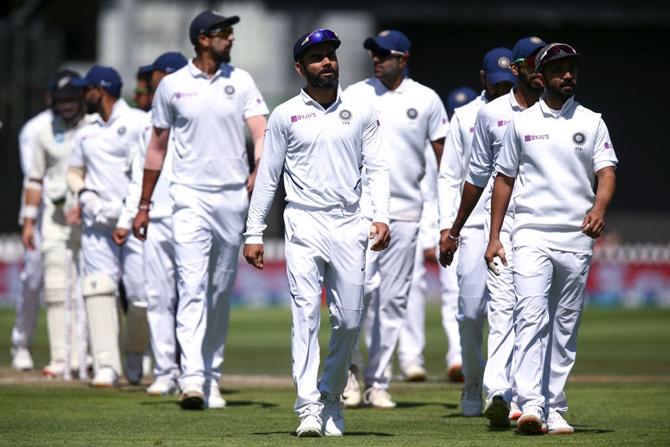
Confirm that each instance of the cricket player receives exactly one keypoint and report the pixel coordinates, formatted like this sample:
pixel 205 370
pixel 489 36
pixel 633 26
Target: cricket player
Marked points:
pixel 498 300
pixel 412 338
pixel 98 175
pixel 557 148
pixel 143 94
pixel 203 107
pixel 412 115
pixel 60 240
pixel 159 251
pixel 322 139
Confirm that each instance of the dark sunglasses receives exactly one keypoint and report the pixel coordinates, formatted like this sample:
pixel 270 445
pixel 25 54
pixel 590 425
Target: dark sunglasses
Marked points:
pixel 222 33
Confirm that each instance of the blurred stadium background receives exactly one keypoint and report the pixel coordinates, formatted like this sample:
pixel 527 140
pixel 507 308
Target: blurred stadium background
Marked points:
pixel 623 75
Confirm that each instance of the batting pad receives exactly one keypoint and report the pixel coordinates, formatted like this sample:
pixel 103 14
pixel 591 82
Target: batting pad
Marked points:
pixel 103 321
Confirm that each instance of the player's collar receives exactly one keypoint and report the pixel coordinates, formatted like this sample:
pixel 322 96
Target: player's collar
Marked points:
pixel 310 101
pixel 401 88
pixel 119 108
pixel 567 106
pixel 513 102
pixel 197 73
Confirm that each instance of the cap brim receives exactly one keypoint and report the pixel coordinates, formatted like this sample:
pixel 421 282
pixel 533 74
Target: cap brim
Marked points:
pixel 371 43
pixel 496 78
pixel 559 57
pixel 81 82
pixel 232 20
pixel 146 69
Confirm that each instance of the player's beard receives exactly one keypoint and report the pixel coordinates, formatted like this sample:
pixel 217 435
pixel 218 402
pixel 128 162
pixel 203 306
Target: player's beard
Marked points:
pixel 93 106
pixel 559 92
pixel 318 81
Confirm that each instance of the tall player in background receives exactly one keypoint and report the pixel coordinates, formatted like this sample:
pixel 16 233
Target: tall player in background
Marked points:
pixel 159 251
pixel 489 128
pixel 413 115
pixel 204 107
pixel 497 79
pixel 99 176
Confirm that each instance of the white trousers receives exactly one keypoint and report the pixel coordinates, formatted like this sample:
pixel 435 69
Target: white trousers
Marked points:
pixel 388 280
pixel 161 286
pixel 324 248
pixel 472 299
pixel 498 374
pixel 412 338
pixel 32 288
pixel 549 286
pixel 207 231
pixel 449 300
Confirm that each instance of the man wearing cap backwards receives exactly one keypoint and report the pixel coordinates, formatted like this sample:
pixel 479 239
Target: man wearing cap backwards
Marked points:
pixel 412 340
pixel 60 242
pixel 203 108
pixel 98 175
pixel 412 115
pixel 159 254
pixel 321 139
pixel 557 148
pixel 497 298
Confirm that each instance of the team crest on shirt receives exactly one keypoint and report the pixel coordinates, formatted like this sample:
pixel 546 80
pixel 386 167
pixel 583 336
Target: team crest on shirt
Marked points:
pixel 412 113
pixel 579 138
pixel 229 89
pixel 121 130
pixel 345 116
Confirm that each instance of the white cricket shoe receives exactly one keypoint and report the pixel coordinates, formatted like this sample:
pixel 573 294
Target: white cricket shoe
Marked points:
pixel 331 415
pixel 514 413
pixel 556 425
pixel 54 370
pixel 351 396
pixel 21 359
pixel 414 373
pixel 531 421
pixel 105 377
pixel 310 422
pixel 378 398
pixel 213 399
pixel 192 398
pixel 163 386
pixel 472 402
pixel 497 412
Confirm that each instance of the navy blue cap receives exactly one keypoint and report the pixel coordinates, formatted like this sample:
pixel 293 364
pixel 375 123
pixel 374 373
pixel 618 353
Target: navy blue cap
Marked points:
pixel 312 38
pixel 496 66
pixel 145 69
pixel 105 77
pixel 207 21
pixel 527 47
pixel 459 97
pixel 390 40
pixel 168 62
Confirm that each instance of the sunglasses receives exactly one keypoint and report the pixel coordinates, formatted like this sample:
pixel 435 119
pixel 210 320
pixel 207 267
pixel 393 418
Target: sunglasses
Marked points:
pixel 383 53
pixel 318 36
pixel 222 33
pixel 561 49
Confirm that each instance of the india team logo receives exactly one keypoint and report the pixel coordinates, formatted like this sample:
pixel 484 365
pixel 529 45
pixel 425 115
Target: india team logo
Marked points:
pixel 121 130
pixel 345 115
pixel 536 40
pixel 412 113
pixel 503 62
pixel 579 138
pixel 229 89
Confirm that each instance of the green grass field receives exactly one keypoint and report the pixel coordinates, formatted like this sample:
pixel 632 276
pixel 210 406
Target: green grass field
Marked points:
pixel 619 395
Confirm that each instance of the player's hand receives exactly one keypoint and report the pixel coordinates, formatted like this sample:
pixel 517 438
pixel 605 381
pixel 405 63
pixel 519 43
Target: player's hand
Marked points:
pixel 28 234
pixel 253 253
pixel 429 255
pixel 493 250
pixel 140 225
pixel 380 236
pixel 73 215
pixel 120 236
pixel 448 247
pixel 251 181
pixel 593 224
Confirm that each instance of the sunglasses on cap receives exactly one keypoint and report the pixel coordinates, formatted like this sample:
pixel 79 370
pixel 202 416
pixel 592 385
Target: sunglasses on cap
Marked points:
pixel 383 53
pixel 552 52
pixel 318 36
pixel 221 33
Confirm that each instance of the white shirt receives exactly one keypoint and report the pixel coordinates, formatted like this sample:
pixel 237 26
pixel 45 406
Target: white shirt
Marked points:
pixel 53 146
pixel 454 165
pixel 428 234
pixel 410 116
pixel 322 152
pixel 27 136
pixel 555 155
pixel 206 117
pixel 104 150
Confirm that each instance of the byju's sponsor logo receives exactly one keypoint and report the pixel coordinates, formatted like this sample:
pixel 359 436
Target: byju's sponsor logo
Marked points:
pixel 296 118
pixel 535 137
pixel 179 95
pixel 502 123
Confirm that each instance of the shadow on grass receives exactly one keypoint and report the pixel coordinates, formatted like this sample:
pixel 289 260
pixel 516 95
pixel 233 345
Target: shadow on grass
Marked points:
pixel 229 403
pixel 425 404
pixel 349 433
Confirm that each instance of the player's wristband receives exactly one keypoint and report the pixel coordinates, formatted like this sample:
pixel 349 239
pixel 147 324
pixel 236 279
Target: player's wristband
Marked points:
pixel 144 206
pixel 30 212
pixel 454 238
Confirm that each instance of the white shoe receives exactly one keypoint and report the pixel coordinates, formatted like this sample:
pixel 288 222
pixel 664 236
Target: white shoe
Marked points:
pixel 556 425
pixel 497 412
pixel 213 399
pixel 134 368
pixel 192 398
pixel 378 398
pixel 163 386
pixel 21 359
pixel 471 400
pixel 105 377
pixel 514 413
pixel 414 373
pixel 310 422
pixel 351 396
pixel 53 370
pixel 531 421
pixel 331 415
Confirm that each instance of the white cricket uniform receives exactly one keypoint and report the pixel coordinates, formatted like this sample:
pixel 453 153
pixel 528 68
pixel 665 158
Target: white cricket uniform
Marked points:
pixel 322 152
pixel 490 126
pixel 159 259
pixel 28 304
pixel 470 269
pixel 208 177
pixel 103 150
pixel 60 241
pixel 411 115
pixel 555 155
